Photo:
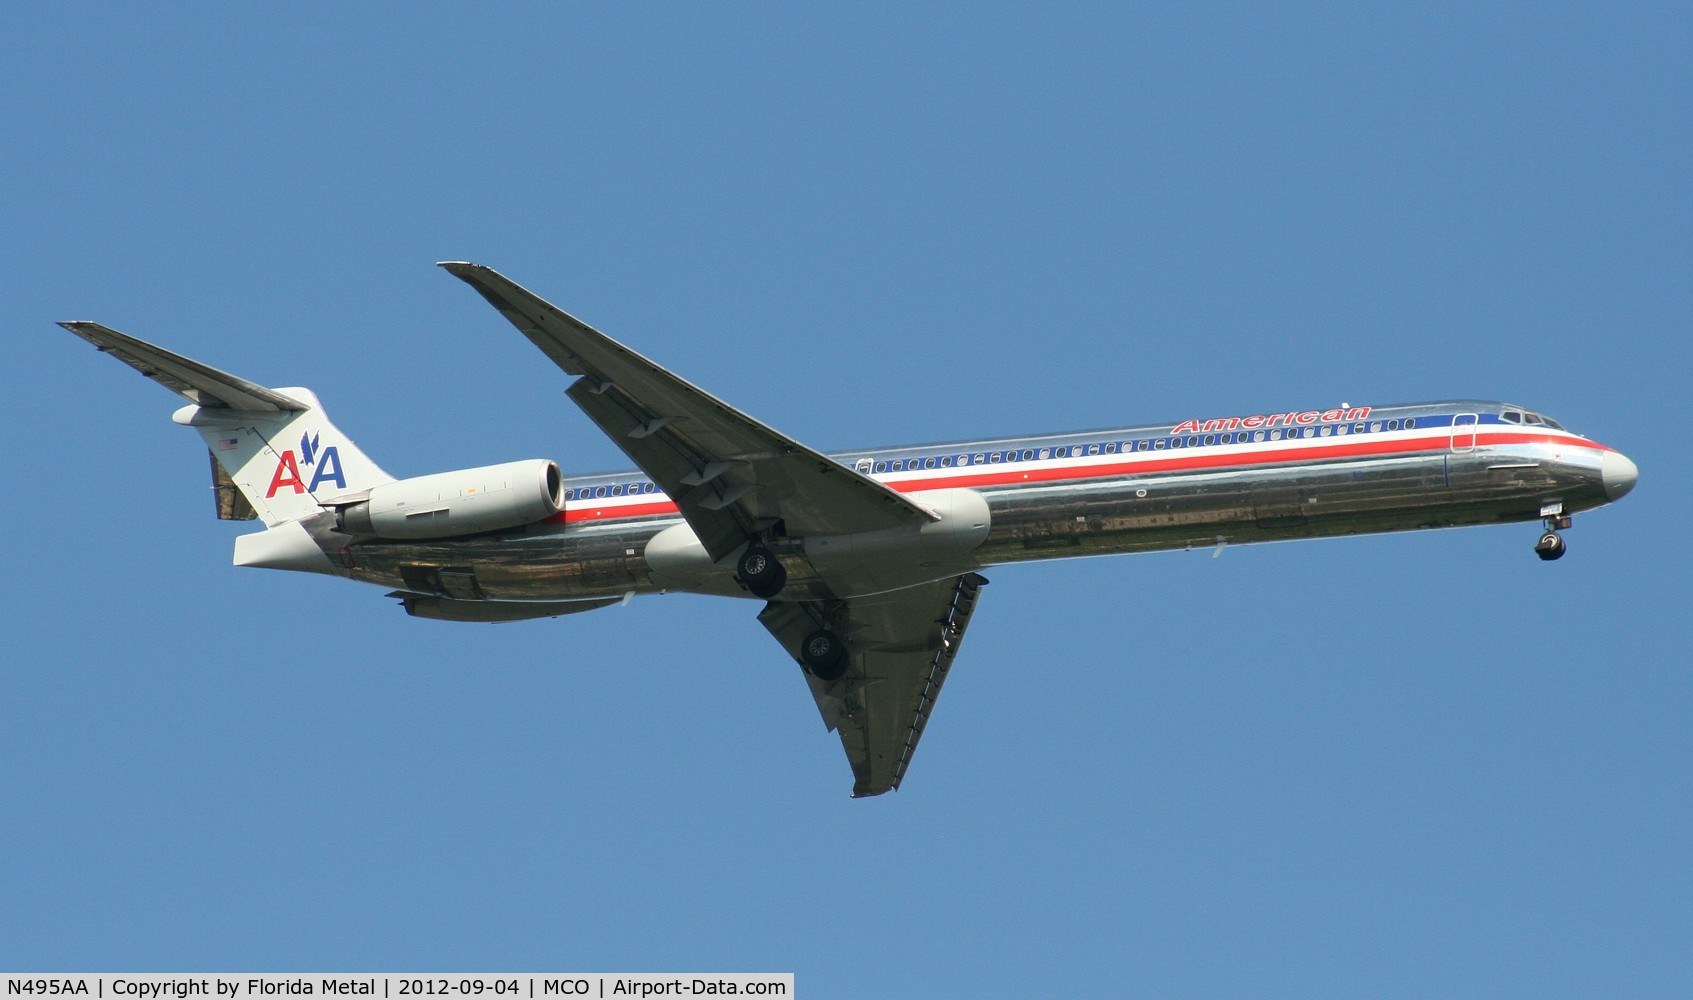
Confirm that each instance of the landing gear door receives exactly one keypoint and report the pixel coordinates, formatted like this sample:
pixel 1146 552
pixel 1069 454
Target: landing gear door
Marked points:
pixel 1463 433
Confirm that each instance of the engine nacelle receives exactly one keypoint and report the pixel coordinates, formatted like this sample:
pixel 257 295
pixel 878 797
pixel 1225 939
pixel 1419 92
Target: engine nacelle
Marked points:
pixel 467 502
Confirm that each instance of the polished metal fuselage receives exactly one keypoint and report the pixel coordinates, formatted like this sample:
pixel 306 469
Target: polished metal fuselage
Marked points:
pixel 1146 489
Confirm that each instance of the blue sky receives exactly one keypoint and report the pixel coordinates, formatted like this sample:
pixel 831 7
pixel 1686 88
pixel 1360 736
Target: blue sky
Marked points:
pixel 1408 765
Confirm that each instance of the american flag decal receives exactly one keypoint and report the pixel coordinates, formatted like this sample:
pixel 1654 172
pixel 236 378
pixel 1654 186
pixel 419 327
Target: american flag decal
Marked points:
pixel 226 444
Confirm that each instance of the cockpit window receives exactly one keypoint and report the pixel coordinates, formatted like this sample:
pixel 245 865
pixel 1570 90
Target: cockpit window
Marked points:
pixel 1512 416
pixel 1534 418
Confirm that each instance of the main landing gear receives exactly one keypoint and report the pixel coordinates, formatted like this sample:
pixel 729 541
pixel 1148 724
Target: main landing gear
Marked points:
pixel 824 654
pixel 761 571
pixel 1551 545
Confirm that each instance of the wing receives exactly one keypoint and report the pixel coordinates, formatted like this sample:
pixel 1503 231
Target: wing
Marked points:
pixel 903 644
pixel 732 477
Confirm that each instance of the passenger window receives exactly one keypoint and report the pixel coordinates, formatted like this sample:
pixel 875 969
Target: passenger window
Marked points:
pixel 599 492
pixel 881 466
pixel 946 461
pixel 1324 431
pixel 1410 422
pixel 1140 445
pixel 1028 454
pixel 1210 439
pixel 928 463
pixel 993 458
pixel 1375 428
pixel 1343 429
pixel 1393 425
pixel 1158 445
pixel 979 459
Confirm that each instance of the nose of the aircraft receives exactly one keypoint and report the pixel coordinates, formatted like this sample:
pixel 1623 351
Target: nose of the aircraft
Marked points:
pixel 1618 474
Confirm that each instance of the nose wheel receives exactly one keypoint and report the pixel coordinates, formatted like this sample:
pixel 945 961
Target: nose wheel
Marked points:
pixel 1551 545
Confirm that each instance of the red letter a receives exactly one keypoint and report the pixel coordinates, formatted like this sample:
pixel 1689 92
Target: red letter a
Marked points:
pixel 292 477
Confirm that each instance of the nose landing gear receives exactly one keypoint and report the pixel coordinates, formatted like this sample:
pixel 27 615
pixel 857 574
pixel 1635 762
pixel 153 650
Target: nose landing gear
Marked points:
pixel 1551 545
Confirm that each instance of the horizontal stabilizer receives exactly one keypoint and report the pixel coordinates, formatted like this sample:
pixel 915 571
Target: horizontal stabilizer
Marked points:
pixel 200 383
pixel 275 453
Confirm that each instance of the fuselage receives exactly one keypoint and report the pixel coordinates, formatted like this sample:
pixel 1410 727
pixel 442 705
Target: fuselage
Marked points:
pixel 1204 482
pixel 868 559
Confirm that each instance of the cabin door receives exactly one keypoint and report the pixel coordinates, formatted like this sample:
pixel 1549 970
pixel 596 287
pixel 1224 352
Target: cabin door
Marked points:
pixel 1463 433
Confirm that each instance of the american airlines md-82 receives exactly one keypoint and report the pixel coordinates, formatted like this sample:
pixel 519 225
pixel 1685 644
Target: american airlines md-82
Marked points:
pixel 868 562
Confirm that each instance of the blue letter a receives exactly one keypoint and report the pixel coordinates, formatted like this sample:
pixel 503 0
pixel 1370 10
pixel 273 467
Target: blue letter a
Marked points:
pixel 328 467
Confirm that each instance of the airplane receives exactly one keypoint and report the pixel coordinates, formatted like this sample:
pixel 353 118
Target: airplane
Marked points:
pixel 868 561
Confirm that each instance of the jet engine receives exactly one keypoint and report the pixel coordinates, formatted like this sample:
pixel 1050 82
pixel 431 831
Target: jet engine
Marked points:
pixel 467 502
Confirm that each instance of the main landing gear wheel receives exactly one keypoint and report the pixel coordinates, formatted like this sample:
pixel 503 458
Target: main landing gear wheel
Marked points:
pixel 762 572
pixel 824 654
pixel 1551 546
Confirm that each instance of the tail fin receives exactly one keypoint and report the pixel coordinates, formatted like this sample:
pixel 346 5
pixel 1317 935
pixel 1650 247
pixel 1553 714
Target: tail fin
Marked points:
pixel 275 445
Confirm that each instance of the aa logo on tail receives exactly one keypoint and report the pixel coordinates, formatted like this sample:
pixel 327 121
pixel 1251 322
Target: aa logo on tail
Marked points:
pixel 325 463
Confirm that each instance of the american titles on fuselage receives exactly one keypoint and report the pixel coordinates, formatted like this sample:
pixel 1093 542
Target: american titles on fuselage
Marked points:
pixel 1257 420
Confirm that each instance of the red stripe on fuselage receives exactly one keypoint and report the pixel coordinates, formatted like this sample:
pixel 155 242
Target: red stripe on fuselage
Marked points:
pixel 1144 462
